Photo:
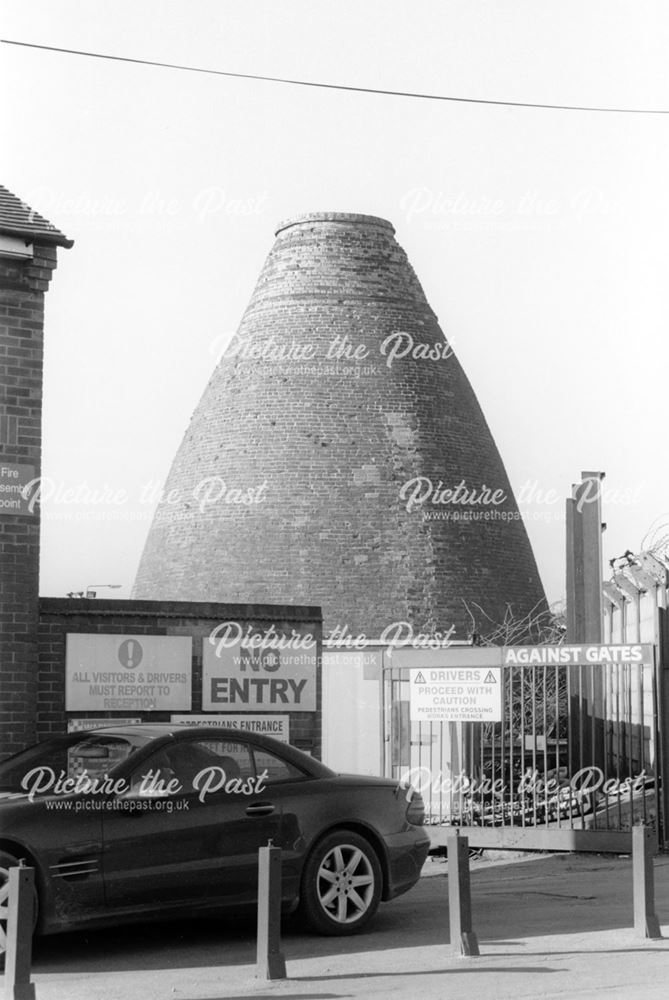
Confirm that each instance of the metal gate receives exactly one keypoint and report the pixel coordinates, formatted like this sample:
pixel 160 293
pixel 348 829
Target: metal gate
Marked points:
pixel 573 765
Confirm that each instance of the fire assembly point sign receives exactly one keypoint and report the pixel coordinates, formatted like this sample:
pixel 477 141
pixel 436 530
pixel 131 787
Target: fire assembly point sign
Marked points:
pixel 456 694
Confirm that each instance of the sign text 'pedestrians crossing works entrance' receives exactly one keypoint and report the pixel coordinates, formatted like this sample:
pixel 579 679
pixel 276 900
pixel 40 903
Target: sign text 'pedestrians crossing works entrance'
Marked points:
pixel 456 694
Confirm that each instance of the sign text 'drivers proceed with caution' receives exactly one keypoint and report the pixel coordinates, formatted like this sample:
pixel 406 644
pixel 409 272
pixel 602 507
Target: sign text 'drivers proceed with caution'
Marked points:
pixel 456 694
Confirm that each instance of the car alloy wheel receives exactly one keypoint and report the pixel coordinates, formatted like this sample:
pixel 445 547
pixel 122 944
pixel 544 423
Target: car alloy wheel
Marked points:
pixel 341 884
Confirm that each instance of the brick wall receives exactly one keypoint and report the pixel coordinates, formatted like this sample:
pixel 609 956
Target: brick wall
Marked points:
pixel 22 288
pixel 58 616
pixel 334 441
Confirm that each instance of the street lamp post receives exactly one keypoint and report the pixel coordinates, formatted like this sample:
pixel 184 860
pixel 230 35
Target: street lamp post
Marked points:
pixel 92 588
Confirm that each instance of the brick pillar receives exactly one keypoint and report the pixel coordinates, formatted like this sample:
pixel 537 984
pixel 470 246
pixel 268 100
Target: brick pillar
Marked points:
pixel 23 283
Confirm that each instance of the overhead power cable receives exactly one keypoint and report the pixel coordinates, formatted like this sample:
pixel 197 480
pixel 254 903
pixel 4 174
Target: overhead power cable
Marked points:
pixel 334 86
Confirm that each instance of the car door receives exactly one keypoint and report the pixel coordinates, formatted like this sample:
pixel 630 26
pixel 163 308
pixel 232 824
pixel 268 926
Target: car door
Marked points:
pixel 299 798
pixel 189 828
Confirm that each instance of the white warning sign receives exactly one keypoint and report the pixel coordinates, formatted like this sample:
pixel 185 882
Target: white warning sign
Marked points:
pixel 456 694
pixel 247 670
pixel 127 673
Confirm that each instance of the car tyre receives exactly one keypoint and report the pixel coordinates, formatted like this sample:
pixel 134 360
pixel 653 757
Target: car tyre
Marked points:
pixel 341 884
pixel 8 861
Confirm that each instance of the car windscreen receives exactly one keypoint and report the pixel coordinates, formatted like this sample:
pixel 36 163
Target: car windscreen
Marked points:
pixel 93 753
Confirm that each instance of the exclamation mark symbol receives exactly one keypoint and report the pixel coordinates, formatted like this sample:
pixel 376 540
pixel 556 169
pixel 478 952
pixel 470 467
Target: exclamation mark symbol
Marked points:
pixel 130 653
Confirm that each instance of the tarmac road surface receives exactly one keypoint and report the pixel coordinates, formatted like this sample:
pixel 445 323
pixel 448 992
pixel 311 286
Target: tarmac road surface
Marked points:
pixel 548 926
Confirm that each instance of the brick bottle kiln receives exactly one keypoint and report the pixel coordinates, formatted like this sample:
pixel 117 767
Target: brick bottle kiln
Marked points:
pixel 290 485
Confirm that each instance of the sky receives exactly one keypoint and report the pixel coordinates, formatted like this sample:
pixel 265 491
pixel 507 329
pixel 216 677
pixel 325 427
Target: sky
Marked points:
pixel 539 236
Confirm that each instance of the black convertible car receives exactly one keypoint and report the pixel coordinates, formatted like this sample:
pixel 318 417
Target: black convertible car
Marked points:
pixel 152 821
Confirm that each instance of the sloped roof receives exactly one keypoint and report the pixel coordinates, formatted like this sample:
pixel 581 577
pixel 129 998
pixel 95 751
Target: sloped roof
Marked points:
pixel 19 219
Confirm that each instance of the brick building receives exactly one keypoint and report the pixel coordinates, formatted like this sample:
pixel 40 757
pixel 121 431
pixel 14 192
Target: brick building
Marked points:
pixel 28 251
pixel 317 465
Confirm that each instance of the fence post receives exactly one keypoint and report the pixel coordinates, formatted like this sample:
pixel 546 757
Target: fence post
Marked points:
pixel 662 722
pixel 646 924
pixel 463 938
pixel 20 912
pixel 270 963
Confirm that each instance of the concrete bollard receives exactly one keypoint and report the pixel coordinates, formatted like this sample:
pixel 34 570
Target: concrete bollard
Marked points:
pixel 463 938
pixel 270 963
pixel 20 911
pixel 646 924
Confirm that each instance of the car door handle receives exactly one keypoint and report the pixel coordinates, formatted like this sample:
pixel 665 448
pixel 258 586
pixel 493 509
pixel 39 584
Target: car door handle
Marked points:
pixel 260 809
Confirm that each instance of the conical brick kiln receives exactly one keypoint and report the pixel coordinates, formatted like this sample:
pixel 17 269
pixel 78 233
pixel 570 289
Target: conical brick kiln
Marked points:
pixel 339 457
